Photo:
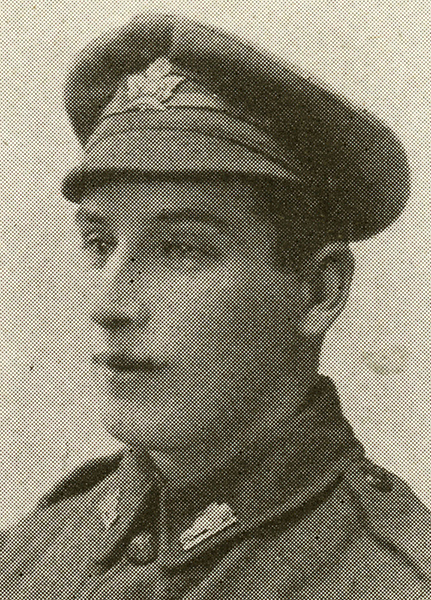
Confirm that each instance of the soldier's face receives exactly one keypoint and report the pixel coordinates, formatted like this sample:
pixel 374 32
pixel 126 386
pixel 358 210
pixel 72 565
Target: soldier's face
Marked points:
pixel 195 329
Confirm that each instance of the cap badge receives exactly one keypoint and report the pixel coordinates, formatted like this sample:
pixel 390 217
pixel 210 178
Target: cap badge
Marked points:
pixel 214 519
pixel 151 88
pixel 155 85
pixel 156 89
pixel 108 508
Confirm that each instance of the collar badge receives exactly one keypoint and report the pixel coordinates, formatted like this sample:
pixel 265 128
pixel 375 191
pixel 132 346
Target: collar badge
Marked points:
pixel 214 519
pixel 108 508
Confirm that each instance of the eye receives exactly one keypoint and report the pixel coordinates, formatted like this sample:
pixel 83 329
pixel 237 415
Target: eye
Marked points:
pixel 186 251
pixel 97 244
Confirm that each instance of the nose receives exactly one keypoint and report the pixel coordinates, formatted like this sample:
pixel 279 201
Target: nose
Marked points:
pixel 118 300
pixel 111 320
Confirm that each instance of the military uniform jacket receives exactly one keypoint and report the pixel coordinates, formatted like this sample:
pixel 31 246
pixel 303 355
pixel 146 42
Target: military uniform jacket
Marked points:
pixel 305 517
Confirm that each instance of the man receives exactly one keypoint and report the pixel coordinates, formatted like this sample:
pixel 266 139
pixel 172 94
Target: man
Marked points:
pixel 216 200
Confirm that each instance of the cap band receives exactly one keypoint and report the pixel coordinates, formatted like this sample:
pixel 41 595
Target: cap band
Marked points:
pixel 195 121
pixel 165 97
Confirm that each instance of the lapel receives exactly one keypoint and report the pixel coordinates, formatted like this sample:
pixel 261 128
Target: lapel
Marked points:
pixel 122 507
pixel 72 539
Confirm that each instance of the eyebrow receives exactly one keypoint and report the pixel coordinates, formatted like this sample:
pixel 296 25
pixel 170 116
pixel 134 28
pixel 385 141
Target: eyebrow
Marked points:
pixel 84 215
pixel 194 215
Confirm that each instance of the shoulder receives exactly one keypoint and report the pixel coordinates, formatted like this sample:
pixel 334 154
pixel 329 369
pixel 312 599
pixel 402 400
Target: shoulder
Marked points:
pixel 82 479
pixel 393 514
pixel 368 539
pixel 71 506
pixel 56 508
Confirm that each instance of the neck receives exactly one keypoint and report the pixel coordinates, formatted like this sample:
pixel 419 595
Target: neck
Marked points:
pixel 199 461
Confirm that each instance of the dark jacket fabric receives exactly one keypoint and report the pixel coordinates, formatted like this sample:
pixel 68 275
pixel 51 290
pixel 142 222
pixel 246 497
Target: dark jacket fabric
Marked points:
pixel 312 519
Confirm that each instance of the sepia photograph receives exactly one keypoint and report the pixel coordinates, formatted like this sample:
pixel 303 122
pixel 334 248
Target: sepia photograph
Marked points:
pixel 215 342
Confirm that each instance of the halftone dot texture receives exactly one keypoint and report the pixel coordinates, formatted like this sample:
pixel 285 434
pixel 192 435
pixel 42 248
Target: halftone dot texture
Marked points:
pixel 265 118
pixel 314 518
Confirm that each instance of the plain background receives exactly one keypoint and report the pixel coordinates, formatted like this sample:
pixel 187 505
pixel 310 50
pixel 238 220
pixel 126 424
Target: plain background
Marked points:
pixel 376 52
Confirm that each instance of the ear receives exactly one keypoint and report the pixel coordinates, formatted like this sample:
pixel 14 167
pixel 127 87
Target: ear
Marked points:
pixel 326 277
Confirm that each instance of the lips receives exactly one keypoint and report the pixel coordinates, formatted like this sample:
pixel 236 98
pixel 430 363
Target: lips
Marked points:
pixel 120 362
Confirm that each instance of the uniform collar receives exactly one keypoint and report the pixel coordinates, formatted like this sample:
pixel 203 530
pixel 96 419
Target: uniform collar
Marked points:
pixel 276 479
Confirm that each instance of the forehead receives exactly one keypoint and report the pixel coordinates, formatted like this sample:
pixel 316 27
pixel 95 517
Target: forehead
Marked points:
pixel 132 200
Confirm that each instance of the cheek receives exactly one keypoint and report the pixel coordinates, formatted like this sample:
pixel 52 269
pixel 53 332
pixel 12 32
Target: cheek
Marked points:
pixel 235 311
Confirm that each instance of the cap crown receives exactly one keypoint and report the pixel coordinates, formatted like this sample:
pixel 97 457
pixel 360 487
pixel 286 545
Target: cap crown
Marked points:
pixel 355 164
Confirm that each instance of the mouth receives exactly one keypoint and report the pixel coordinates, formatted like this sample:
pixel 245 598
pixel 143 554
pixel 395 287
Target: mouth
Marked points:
pixel 123 363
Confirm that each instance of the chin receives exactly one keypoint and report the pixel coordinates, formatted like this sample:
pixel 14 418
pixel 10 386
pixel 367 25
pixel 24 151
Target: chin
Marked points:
pixel 173 414
pixel 154 436
pixel 153 424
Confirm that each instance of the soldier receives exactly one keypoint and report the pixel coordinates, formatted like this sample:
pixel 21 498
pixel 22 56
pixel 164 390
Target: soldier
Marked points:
pixel 216 199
